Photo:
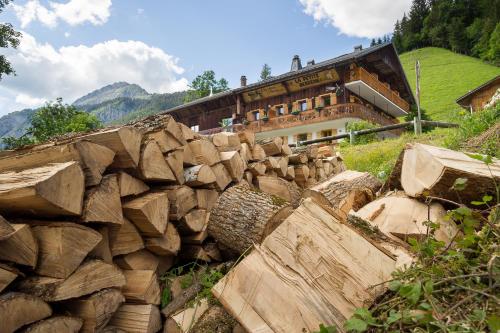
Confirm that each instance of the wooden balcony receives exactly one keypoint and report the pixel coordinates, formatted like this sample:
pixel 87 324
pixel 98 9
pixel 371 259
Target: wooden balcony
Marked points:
pixel 348 110
pixel 368 86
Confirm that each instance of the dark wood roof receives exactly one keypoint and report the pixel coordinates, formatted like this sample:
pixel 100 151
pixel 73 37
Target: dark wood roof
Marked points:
pixel 495 80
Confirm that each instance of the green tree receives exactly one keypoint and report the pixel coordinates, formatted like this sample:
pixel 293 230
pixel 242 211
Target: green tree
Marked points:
pixel 413 113
pixel 265 73
pixel 362 125
pixel 8 38
pixel 205 84
pixel 53 119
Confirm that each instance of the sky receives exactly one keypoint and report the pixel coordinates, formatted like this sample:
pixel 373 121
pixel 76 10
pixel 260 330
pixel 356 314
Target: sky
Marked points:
pixel 71 47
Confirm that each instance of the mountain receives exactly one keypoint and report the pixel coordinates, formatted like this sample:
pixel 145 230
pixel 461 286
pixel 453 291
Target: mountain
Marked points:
pixel 15 123
pixel 112 91
pixel 444 77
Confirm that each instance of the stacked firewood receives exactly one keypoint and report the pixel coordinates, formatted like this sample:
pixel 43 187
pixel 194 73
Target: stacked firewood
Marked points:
pixel 90 222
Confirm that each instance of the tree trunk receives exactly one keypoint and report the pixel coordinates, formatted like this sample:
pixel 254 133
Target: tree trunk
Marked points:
pixel 244 216
pixel 54 189
pixel 18 309
pixel 59 324
pixel 137 318
pixel 102 203
pixel 21 248
pixel 199 175
pixel 130 185
pixel 149 213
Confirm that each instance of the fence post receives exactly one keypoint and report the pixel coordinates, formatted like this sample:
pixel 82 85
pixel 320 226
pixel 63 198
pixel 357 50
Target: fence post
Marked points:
pixel 352 137
pixel 415 125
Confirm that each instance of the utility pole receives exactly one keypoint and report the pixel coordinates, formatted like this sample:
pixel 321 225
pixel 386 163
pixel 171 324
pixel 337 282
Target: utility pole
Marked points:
pixel 419 118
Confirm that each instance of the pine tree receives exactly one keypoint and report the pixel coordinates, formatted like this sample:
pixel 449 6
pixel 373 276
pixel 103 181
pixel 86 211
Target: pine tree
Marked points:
pixel 266 72
pixel 396 36
pixel 379 41
pixel 373 43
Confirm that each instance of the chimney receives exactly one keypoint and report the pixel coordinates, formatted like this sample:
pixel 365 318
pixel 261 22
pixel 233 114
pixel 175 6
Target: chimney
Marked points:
pixel 296 64
pixel 243 81
pixel 358 48
pixel 311 62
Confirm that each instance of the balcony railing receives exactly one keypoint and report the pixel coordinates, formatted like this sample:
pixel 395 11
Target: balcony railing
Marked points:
pixel 352 110
pixel 361 74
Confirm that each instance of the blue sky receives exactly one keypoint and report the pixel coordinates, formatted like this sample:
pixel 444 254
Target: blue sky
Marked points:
pixel 71 47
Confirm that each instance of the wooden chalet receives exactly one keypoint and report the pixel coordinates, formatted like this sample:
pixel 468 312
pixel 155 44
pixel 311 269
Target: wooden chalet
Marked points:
pixel 309 101
pixel 476 99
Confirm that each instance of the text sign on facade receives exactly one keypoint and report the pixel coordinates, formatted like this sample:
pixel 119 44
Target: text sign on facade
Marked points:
pixel 312 80
pixel 264 92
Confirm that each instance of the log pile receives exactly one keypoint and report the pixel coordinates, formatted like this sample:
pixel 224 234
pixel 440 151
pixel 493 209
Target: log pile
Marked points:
pixel 88 223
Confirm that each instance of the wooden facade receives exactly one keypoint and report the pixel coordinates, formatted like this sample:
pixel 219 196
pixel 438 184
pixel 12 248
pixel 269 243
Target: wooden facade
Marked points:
pixel 476 99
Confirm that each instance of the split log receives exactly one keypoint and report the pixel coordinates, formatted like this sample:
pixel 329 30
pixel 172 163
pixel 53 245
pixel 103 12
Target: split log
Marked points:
pixel 222 176
pixel 405 218
pixel 182 199
pixel 248 177
pixel 93 158
pixel 166 141
pixel 188 317
pixel 194 253
pixel 199 175
pixel 225 141
pixel 187 133
pixel 272 146
pixel 96 310
pixel 258 153
pixel 91 276
pixel 152 165
pixel 234 164
pixel 130 185
pixel 172 127
pixel 345 191
pixel 216 319
pixel 243 217
pixel 6 230
pixel 125 141
pixel 102 203
pixel 301 174
pixel 247 137
pixel 103 249
pixel 193 222
pixel 204 152
pixel 212 250
pixel 7 275
pixel 21 248
pixel 246 152
pixel 297 158
pixel 290 173
pixel 167 245
pixel 188 156
pixel 286 150
pixel 112 329
pixel 139 260
pixel 125 239
pixel 135 318
pixel 18 309
pixel 142 287
pixel 280 188
pixel 165 264
pixel 326 151
pixel 62 247
pixel 149 212
pixel 54 189
pixel 175 161
pixel 206 198
pixel 59 324
pixel 429 170
pixel 197 238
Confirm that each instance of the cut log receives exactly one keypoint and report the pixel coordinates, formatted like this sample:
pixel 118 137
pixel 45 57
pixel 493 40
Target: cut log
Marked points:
pixel 312 262
pixel 112 329
pixel 247 137
pixel 182 297
pixel 257 168
pixel 188 317
pixel 21 248
pixel 345 191
pixel 286 150
pixel 54 189
pixel 428 170
pixel 297 158
pixel 244 216
pixel 18 309
pixel 204 152
pixel 62 247
pixel 225 141
pixel 272 146
pixel 124 141
pixel 282 166
pixel 197 238
pixel 167 245
pixel 6 230
pixel 165 140
pixel 193 222
pixel 404 218
pixel 258 153
pixel 182 199
pixel 248 177
pixel 216 319
pixel 172 127
pixel 96 310
pixel 102 203
pixel 188 156
pixel 187 133
pixel 165 263
pixel 152 165
pixel 326 151
pixel 290 173
pixel 135 318
pixel 130 185
pixel 149 212
pixel 7 275
pixel 222 176
pixel 91 276
pixel 194 253
pixel 142 287
pixel 139 260
pixel 246 152
pixel 59 324
pixel 199 175
pixel 103 249
pixel 212 250
pixel 234 164
pixel 280 188
pixel 175 161
pixel 93 158
pixel 206 198
pixel 125 239
pixel 301 174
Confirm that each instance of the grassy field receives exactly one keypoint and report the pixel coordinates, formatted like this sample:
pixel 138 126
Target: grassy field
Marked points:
pixel 445 76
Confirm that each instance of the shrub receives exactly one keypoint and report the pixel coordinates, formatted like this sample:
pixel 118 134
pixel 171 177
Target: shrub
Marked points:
pixel 361 125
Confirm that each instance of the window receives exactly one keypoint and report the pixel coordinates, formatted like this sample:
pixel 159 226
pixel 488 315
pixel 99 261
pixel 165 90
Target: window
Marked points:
pixel 326 133
pixel 302 137
pixel 303 105
pixel 195 128
pixel 326 100
pixel 256 115
pixel 280 110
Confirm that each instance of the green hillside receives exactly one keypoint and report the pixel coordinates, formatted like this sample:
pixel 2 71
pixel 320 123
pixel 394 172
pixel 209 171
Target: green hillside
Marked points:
pixel 445 76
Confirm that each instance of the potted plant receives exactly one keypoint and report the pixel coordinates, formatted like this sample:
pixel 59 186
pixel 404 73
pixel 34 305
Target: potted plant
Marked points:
pixel 265 118
pixel 295 112
pixel 319 108
pixel 245 122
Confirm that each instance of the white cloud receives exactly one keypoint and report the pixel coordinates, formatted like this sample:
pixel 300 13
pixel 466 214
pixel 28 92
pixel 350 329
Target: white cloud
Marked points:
pixel 67 34
pixel 359 18
pixel 140 11
pixel 45 73
pixel 73 12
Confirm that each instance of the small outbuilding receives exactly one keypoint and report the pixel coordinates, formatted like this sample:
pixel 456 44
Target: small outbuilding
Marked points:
pixel 477 98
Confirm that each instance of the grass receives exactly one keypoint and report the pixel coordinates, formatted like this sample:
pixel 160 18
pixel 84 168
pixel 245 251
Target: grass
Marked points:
pixel 445 76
